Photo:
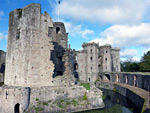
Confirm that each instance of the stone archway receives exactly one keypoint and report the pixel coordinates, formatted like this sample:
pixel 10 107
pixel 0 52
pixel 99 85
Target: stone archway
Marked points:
pixel 107 77
pixel 17 108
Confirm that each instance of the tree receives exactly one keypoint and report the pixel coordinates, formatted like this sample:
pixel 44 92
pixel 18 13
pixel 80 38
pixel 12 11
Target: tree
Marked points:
pixel 145 62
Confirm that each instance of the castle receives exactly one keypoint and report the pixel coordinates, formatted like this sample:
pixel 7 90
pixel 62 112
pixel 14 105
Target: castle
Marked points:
pixel 41 67
pixel 94 59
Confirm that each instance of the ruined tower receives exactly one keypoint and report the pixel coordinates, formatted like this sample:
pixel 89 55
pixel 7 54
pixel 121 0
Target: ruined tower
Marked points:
pixel 37 48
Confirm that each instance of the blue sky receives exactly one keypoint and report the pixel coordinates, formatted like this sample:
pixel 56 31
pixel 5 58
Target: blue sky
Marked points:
pixel 121 23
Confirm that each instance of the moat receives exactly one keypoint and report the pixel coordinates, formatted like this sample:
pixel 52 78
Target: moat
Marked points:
pixel 115 103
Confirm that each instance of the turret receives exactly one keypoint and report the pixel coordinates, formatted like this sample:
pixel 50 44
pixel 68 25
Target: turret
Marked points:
pixel 105 58
pixel 115 54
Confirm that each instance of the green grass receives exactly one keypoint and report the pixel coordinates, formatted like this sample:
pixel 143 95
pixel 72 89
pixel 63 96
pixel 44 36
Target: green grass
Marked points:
pixel 86 85
pixel 85 97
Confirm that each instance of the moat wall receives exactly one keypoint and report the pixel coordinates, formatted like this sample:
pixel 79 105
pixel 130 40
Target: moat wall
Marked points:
pixel 132 96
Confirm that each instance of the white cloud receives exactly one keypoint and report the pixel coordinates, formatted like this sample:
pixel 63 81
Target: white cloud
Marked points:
pixel 2 36
pixel 78 30
pixel 104 11
pixel 87 32
pixel 129 53
pixel 125 35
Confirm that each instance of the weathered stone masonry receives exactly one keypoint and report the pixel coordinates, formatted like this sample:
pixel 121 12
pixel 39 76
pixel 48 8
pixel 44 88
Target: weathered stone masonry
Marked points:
pixel 39 67
pixel 94 59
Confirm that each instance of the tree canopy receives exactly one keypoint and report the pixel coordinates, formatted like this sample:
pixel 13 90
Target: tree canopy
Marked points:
pixel 132 66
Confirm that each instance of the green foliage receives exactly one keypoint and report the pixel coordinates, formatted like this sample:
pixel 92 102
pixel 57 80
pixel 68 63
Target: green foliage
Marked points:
pixel 132 66
pixel 39 109
pixel 145 62
pixel 74 102
pixel 144 107
pixel 103 97
pixel 115 90
pixel 96 81
pixel 45 103
pixel 37 99
pixel 86 85
pixel 85 96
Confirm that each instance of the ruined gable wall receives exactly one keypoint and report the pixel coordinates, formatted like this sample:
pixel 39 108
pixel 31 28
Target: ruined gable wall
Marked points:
pixel 28 58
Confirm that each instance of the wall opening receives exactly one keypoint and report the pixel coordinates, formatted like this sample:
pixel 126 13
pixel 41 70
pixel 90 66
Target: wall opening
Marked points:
pixel 91 68
pixel 106 51
pixel 91 50
pixel 105 58
pixel 91 58
pixel 75 66
pixel 89 79
pixel 17 108
pixel 117 78
pixel 57 30
pixel 107 77
pixel 18 34
pixel 126 79
pixel 135 81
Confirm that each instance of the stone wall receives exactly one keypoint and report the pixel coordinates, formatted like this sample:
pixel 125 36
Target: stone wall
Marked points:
pixel 137 80
pixel 2 61
pixel 136 99
pixel 49 99
pixel 11 96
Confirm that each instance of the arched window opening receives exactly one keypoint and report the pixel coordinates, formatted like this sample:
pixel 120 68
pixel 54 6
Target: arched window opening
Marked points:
pixel 91 68
pixel 57 30
pixel 107 77
pixel 135 81
pixel 106 51
pixel 89 79
pixel 17 108
pixel 91 58
pixel 106 59
pixel 75 66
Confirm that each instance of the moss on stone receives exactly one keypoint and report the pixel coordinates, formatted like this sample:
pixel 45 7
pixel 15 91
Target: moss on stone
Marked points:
pixel 85 96
pixel 144 106
pixel 45 103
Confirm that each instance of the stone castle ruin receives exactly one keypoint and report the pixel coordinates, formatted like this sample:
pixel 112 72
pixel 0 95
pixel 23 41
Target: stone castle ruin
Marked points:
pixel 94 59
pixel 40 68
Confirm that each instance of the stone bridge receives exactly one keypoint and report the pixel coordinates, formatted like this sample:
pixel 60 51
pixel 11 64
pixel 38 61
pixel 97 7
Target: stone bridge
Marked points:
pixel 136 87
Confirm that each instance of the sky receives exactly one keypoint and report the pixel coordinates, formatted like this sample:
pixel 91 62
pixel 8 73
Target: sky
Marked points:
pixel 121 23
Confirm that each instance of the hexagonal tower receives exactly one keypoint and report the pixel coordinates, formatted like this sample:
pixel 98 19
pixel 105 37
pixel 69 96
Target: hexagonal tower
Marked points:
pixel 115 53
pixel 105 61
pixel 91 60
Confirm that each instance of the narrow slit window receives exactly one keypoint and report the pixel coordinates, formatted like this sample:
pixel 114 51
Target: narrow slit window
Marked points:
pixel 18 34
